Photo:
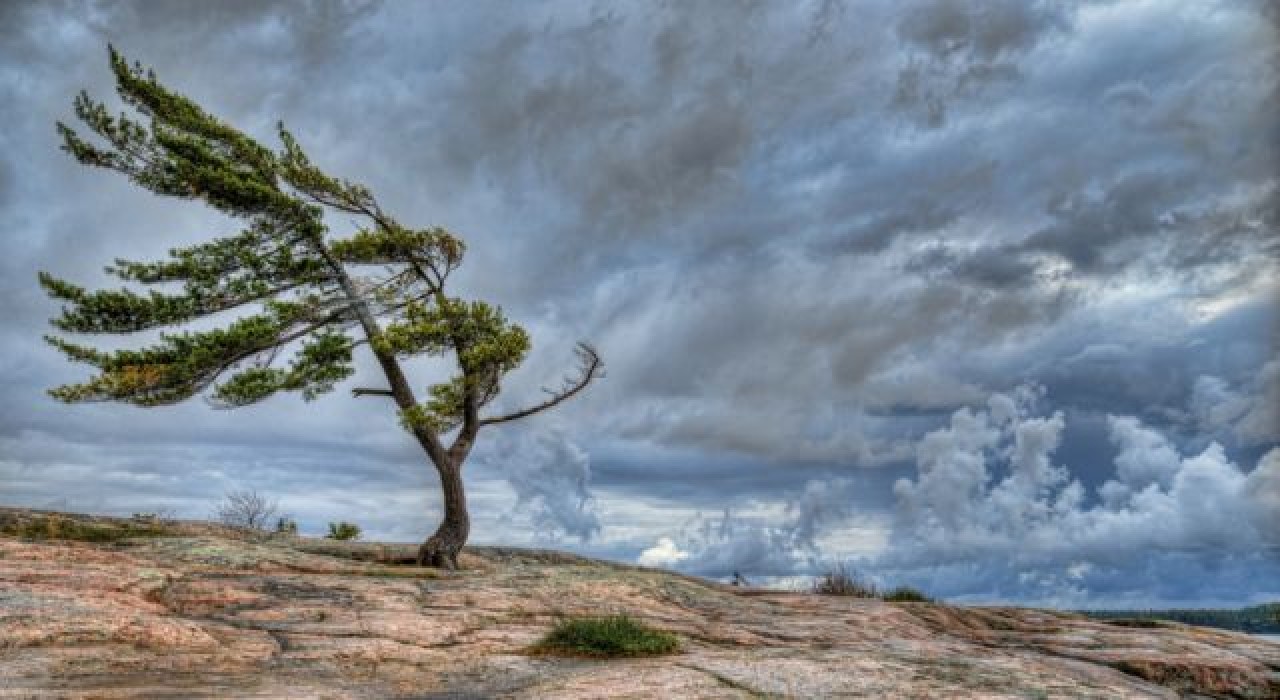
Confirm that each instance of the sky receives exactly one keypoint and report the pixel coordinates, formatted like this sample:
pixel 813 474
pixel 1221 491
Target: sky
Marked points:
pixel 979 297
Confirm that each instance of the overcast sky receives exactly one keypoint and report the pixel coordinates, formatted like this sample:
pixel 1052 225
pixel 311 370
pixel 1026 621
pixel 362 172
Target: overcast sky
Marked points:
pixel 980 296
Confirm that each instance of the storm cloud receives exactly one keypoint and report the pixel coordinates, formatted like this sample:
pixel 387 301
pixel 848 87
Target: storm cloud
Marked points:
pixel 805 238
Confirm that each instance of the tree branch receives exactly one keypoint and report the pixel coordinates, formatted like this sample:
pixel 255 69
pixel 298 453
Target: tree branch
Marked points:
pixel 592 367
pixel 400 388
pixel 273 348
pixel 372 392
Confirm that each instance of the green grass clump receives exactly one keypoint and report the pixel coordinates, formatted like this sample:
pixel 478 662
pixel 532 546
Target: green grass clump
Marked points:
pixel 343 531
pixel 905 594
pixel 606 637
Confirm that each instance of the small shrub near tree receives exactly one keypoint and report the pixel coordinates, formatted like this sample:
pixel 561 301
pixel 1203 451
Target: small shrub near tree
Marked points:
pixel 606 637
pixel 343 531
pixel 286 526
pixel 246 509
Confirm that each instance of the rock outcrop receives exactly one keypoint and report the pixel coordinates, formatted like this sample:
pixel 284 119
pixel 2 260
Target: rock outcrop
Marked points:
pixel 190 611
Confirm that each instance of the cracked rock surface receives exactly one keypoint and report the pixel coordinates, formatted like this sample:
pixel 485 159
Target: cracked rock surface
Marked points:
pixel 205 613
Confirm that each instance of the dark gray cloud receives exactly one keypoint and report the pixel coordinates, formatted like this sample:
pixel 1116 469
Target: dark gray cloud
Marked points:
pixel 957 50
pixel 802 235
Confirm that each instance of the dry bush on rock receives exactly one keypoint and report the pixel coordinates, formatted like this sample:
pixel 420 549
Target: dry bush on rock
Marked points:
pixel 246 509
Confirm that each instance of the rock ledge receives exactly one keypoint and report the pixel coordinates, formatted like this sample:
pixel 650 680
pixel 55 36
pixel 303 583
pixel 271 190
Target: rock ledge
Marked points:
pixel 194 611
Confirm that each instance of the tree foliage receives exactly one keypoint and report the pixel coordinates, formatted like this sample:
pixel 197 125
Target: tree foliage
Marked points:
pixel 282 269
pixel 295 300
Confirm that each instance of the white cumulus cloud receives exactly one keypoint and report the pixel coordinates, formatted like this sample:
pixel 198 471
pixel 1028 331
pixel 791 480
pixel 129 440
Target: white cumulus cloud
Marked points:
pixel 664 554
pixel 990 514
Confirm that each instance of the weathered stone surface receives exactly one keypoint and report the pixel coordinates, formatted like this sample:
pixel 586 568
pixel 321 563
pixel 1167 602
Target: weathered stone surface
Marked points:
pixel 214 614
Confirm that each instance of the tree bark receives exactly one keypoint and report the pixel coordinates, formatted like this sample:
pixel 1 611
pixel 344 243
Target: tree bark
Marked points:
pixel 441 549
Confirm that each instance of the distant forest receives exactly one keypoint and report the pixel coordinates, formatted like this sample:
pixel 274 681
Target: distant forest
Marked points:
pixel 1258 619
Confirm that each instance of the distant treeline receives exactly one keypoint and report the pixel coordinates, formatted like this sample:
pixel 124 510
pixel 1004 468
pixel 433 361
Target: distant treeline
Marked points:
pixel 1258 619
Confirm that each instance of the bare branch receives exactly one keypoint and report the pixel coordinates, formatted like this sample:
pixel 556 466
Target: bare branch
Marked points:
pixel 434 285
pixel 372 392
pixel 591 367
pixel 246 509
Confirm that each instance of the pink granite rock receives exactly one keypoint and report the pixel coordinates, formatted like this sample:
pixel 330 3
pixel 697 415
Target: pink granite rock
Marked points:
pixel 215 614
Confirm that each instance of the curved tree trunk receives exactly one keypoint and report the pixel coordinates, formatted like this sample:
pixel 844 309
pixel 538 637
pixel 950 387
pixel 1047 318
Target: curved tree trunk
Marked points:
pixel 441 549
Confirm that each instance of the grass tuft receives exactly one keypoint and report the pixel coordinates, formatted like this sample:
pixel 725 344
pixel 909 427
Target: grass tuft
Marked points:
pixel 606 637
pixel 905 594
pixel 841 580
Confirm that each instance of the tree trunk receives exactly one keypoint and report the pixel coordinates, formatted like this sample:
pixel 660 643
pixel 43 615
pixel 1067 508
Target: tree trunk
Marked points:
pixel 441 549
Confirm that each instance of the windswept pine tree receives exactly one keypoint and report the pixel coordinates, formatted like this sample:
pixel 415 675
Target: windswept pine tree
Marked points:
pixel 307 300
